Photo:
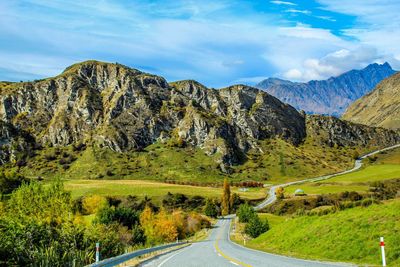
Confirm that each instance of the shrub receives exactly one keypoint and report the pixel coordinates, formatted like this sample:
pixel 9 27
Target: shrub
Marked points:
pixel 122 215
pixel 256 226
pixel 279 192
pixel 211 209
pixel 91 204
pixel 9 181
pixel 245 213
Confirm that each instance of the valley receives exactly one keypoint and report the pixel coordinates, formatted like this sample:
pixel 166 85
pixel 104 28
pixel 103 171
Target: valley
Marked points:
pixel 139 161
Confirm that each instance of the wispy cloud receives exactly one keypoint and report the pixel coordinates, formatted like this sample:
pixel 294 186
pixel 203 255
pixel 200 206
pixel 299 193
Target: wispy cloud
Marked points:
pixel 217 42
pixel 292 10
pixel 326 18
pixel 283 3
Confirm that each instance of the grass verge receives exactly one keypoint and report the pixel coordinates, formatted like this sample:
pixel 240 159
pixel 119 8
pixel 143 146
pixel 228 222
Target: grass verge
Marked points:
pixel 350 235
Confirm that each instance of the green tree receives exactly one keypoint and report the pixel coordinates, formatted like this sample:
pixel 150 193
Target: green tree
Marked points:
pixel 235 201
pixel 122 215
pixel 225 205
pixel 256 226
pixel 245 213
pixel 211 208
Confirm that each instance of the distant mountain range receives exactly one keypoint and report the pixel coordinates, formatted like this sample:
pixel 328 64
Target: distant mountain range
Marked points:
pixel 331 96
pixel 381 107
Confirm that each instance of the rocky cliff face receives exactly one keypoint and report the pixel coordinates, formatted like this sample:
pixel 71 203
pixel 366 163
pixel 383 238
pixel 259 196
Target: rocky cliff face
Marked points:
pixel 335 132
pixel 113 106
pixel 123 109
pixel 330 96
pixel 381 107
pixel 15 145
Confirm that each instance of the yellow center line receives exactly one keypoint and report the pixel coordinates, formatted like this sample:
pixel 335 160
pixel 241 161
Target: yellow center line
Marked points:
pixel 226 256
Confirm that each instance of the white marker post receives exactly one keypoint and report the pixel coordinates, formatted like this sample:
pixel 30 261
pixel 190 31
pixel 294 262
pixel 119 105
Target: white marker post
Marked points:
pixel 382 243
pixel 97 252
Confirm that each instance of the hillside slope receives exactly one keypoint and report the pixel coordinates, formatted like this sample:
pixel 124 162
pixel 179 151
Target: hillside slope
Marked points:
pixel 331 96
pixel 351 235
pixel 99 119
pixel 381 107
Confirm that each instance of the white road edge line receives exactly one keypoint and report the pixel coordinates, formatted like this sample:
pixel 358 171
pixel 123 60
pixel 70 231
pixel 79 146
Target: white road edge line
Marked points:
pixel 234 263
pixel 170 257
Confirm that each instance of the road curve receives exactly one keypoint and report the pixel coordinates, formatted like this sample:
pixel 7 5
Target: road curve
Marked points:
pixel 219 251
pixel 357 165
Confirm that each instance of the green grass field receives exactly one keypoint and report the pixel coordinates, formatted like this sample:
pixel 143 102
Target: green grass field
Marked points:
pixel 387 166
pixel 155 190
pixel 279 162
pixel 351 235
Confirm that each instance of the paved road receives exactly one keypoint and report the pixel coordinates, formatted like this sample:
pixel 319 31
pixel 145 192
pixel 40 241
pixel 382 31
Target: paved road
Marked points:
pixel 219 251
pixel 357 165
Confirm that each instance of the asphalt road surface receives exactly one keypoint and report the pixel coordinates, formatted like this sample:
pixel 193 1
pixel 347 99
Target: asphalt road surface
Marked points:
pixel 219 251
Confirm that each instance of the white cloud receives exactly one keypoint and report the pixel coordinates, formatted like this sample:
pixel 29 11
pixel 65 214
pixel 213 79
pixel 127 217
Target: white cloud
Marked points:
pixel 306 32
pixel 283 3
pixel 293 74
pixel 292 10
pixel 334 64
pixel 377 24
pixel 326 18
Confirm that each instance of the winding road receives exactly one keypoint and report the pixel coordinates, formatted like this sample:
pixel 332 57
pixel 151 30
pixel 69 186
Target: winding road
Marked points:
pixel 218 250
pixel 357 165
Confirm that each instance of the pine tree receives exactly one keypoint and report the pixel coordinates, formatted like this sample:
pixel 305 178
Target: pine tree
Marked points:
pixel 226 197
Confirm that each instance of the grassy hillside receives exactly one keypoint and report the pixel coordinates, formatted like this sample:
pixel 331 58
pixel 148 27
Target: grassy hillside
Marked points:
pixel 380 107
pixel 278 162
pixel 154 190
pixel 384 167
pixel 351 235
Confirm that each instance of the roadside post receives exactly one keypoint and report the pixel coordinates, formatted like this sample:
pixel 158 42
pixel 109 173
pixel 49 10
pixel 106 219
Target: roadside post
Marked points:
pixel 97 252
pixel 382 244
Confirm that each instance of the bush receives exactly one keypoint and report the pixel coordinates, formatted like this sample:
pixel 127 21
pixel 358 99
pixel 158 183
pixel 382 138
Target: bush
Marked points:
pixel 122 215
pixel 9 181
pixel 245 213
pixel 256 226
pixel 211 209
pixel 91 204
pixel 38 228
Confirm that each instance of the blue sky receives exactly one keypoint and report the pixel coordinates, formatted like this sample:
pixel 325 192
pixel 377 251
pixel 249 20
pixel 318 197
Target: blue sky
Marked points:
pixel 216 42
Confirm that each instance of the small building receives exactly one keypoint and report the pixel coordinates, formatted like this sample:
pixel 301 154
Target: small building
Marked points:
pixel 299 192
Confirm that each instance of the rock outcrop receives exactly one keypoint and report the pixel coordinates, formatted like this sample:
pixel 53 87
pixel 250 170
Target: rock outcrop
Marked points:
pixel 335 132
pixel 113 106
pixel 123 109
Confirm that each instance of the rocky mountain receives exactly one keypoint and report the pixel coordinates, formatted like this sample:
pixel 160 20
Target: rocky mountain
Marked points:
pixel 330 96
pixel 381 107
pixel 123 109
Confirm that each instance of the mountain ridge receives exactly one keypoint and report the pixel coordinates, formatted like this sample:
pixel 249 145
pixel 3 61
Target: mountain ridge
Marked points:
pixel 331 96
pixel 115 107
pixel 380 107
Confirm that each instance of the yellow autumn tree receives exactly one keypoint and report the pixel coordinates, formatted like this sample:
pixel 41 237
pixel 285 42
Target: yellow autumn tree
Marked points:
pixel 165 228
pixel 180 220
pixel 91 204
pixel 147 221
pixel 226 196
pixel 279 192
